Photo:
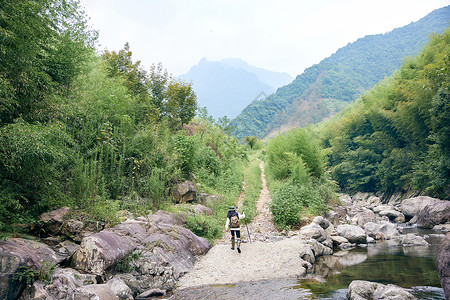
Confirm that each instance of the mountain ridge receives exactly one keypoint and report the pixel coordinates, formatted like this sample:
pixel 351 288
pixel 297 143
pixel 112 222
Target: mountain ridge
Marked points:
pixel 325 88
pixel 227 86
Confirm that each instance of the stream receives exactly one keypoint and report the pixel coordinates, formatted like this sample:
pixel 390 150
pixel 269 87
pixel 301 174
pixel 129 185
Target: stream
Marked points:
pixel 385 262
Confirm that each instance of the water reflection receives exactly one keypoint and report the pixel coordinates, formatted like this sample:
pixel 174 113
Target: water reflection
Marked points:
pixel 385 262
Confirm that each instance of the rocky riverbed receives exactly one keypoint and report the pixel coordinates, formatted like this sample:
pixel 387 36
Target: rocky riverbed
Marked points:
pixel 149 256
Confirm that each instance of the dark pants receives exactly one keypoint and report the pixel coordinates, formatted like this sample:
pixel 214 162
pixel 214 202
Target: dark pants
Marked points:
pixel 238 233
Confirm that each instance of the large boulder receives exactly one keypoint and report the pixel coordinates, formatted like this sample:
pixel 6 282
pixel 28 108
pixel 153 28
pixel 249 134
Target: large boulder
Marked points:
pixel 353 233
pixel 443 264
pixel 52 222
pixel 431 215
pixel 412 239
pixel 104 249
pixel 412 206
pixel 16 257
pixel 365 216
pixel 184 192
pixel 314 231
pixel 362 290
pixel 381 231
pixel 158 233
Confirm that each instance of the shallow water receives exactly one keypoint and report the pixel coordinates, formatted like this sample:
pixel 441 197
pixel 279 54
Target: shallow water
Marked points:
pixel 413 268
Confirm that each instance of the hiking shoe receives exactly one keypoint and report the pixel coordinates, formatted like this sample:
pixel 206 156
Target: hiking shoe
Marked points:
pixel 239 250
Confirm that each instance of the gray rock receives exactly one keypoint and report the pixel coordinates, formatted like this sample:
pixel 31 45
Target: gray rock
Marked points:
pixel 346 199
pixel 365 216
pixel 306 253
pixel 382 230
pixel 314 231
pixel 353 233
pixel 120 289
pixel 362 290
pixel 319 249
pixel 160 232
pixel 411 239
pixel 324 223
pixel 64 283
pixel 443 264
pixel 390 213
pixel 184 192
pixel 442 227
pixel 338 240
pixel 412 206
pixel 347 246
pixel 431 215
pixel 94 291
pixel 18 255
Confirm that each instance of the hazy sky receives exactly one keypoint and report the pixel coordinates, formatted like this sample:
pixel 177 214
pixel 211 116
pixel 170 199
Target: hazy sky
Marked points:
pixel 279 35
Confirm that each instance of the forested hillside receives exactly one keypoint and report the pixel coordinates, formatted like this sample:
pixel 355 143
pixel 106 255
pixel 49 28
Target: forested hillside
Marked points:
pixel 396 138
pixel 100 133
pixel 227 86
pixel 324 89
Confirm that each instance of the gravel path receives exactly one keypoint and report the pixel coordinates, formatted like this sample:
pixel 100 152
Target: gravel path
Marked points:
pixel 270 255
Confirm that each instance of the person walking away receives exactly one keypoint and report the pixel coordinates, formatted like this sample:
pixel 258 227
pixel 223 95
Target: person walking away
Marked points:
pixel 234 225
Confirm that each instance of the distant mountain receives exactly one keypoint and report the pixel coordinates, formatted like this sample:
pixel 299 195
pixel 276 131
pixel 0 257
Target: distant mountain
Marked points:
pixel 325 88
pixel 227 86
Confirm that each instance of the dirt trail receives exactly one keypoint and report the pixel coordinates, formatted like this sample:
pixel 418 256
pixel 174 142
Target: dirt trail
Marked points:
pixel 270 255
pixel 261 228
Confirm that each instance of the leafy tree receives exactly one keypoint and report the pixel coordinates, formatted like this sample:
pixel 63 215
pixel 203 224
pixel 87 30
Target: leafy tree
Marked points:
pixel 120 64
pixel 251 141
pixel 181 102
pixel 44 45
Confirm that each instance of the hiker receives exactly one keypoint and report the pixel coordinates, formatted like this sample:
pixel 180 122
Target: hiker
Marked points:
pixel 234 225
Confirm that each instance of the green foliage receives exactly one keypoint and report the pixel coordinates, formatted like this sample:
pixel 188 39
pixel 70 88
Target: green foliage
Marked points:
pixel 34 163
pixel 298 184
pixel 395 138
pixel 125 265
pixel 294 148
pixel 29 275
pixel 253 185
pixel 290 201
pixel 44 47
pixel 326 88
pixel 97 133
pixel 204 226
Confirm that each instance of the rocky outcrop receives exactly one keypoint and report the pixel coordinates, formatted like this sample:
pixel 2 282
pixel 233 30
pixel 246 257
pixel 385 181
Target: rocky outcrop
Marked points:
pixel 184 192
pixel 153 236
pixel 143 256
pixel 443 264
pixel 361 290
pixel 64 283
pixel 412 206
pixel 431 215
pixel 17 257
